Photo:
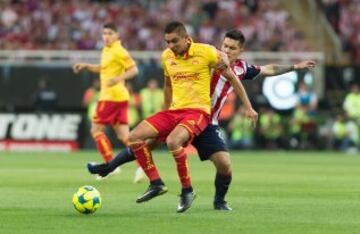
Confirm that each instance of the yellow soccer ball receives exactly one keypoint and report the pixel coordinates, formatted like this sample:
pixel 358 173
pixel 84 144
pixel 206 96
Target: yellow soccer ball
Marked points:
pixel 87 199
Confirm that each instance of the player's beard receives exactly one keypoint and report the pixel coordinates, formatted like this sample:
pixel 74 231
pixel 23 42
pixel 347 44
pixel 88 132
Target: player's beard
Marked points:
pixel 175 51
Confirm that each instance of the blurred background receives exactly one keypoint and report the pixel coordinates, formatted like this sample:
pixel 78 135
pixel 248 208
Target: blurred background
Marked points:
pixel 45 106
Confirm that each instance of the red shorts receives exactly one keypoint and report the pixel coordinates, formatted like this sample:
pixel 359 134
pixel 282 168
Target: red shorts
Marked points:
pixel 194 120
pixel 111 113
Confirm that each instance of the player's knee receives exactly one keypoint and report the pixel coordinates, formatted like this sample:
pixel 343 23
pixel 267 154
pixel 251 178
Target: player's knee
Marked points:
pixel 95 132
pixel 133 137
pixel 223 167
pixel 224 170
pixel 173 143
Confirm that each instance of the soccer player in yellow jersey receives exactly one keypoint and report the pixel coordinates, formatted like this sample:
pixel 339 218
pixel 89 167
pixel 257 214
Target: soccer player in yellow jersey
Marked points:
pixel 187 70
pixel 112 107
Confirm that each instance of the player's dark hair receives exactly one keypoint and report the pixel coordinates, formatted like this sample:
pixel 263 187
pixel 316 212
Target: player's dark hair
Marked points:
pixel 111 26
pixel 236 35
pixel 176 27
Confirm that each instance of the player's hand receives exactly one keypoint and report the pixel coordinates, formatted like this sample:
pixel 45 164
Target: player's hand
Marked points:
pixel 305 64
pixel 252 114
pixel 78 67
pixel 111 82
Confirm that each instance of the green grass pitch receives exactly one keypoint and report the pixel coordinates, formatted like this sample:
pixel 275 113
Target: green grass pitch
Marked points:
pixel 272 192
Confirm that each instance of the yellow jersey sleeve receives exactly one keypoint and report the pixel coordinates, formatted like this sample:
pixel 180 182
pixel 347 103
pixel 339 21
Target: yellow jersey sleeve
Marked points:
pixel 212 55
pixel 124 58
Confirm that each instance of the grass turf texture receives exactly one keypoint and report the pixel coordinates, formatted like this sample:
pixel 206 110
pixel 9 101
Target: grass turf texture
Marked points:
pixel 272 192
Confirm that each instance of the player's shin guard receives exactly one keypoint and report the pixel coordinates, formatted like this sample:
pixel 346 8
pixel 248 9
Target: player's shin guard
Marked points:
pixel 144 158
pixel 183 169
pixel 222 183
pixel 104 146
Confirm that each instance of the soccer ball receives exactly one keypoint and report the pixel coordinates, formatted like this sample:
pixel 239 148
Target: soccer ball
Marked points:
pixel 87 199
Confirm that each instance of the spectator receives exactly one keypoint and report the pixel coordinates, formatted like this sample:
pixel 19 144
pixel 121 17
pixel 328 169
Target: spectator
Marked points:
pixel 89 101
pixel 346 135
pixel 242 131
pixel 134 105
pixel 152 99
pixel 90 98
pixel 301 129
pixel 271 130
pixel 44 99
pixel 307 99
pixel 352 103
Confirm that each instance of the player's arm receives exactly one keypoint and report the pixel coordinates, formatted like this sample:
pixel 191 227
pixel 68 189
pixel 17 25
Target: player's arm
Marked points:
pixel 276 69
pixel 127 75
pixel 167 93
pixel 95 68
pixel 239 89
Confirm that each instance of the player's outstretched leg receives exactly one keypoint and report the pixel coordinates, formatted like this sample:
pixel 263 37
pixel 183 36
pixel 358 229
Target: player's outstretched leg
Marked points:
pixel 104 169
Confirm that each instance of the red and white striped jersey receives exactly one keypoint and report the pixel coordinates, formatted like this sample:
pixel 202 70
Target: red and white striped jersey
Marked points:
pixel 220 88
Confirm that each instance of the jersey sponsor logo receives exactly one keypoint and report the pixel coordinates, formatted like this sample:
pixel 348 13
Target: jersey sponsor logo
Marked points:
pixel 191 122
pixel 195 62
pixel 239 70
pixel 186 76
pixel 220 135
pixel 62 127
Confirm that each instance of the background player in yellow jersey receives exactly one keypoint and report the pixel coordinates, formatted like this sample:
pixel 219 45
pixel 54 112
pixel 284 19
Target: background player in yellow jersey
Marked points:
pixel 112 107
pixel 187 70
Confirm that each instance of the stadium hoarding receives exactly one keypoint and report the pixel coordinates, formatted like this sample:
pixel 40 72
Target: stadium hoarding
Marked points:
pixel 40 131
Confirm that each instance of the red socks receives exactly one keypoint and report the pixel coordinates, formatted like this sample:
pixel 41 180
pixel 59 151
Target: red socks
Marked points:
pixel 144 158
pixel 182 167
pixel 104 146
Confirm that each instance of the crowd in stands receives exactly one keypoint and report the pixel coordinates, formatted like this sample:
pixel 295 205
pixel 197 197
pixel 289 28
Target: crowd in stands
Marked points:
pixel 75 24
pixel 344 16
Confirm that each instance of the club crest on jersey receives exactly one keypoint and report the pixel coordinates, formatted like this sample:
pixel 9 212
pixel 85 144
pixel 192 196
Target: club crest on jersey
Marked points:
pixel 191 122
pixel 238 70
pixel 195 62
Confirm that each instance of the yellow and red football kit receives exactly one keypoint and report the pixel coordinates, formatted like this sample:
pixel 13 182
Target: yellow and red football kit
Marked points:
pixel 112 106
pixel 190 77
